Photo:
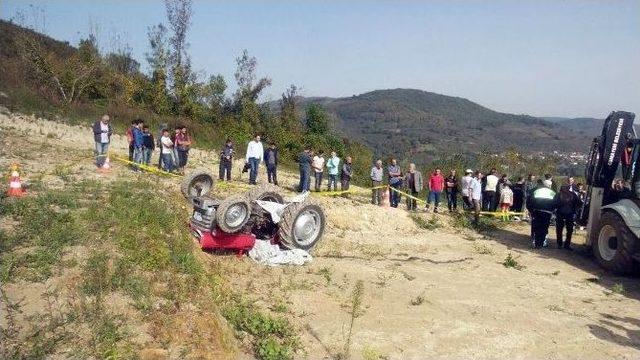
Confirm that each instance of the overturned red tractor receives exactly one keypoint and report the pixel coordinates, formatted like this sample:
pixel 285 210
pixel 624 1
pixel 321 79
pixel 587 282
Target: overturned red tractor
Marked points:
pixel 235 222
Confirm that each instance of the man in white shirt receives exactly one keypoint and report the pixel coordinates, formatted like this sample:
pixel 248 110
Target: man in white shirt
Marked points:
pixel 466 189
pixel 167 150
pixel 490 200
pixel 475 193
pixel 255 152
pixel 318 166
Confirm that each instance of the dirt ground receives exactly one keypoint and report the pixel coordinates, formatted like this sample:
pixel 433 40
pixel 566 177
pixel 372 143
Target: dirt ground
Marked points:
pixel 436 294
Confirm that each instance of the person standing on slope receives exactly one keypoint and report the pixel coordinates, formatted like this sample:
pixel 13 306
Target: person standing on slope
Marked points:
pixel 255 153
pixel 567 204
pixel 346 175
pixel 475 193
pixel 376 182
pixel 465 191
pixel 333 167
pixel 304 165
pixel 395 182
pixel 436 185
pixel 318 169
pixel 541 205
pixel 413 179
pixel 102 131
pixel 271 162
pixel 452 187
pixel 226 161
pixel 490 192
pixel 138 144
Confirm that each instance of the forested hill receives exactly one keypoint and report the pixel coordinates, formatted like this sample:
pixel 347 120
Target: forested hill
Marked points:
pixel 419 124
pixel 584 125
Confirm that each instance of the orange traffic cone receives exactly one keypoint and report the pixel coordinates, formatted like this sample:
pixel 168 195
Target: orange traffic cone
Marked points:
pixel 15 186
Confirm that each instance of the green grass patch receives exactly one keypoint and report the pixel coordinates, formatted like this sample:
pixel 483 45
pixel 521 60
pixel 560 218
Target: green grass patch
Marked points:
pixel 512 262
pixel 427 224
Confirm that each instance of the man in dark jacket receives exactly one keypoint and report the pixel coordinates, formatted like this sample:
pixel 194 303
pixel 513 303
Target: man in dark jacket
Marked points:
pixel 271 161
pixel 346 175
pixel 226 159
pixel 541 205
pixel 304 163
pixel 148 145
pixel 566 204
pixel 452 186
pixel 102 132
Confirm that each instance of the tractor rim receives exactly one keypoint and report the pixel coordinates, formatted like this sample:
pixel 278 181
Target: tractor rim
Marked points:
pixel 200 185
pixel 307 227
pixel 607 242
pixel 235 215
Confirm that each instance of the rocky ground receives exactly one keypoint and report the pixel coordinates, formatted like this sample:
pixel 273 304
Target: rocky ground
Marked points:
pixel 384 285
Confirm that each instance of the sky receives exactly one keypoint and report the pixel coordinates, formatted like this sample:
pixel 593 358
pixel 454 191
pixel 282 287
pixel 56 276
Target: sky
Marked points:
pixel 543 58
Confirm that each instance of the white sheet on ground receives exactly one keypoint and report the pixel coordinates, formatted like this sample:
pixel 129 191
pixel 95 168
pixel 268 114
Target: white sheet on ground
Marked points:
pixel 266 253
pixel 276 209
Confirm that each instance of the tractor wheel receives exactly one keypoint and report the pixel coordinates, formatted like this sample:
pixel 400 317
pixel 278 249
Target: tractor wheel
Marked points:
pixel 265 192
pixel 232 214
pixel 615 244
pixel 301 226
pixel 198 183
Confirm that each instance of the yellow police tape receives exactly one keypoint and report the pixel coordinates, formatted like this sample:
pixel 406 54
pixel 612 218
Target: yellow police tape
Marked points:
pixel 350 191
pixel 144 167
pixel 501 214
pixel 407 195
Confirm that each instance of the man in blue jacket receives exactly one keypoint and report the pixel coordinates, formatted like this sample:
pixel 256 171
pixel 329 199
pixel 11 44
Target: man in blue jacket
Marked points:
pixel 102 132
pixel 138 143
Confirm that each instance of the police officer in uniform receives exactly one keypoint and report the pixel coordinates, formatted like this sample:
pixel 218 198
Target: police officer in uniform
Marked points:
pixel 541 205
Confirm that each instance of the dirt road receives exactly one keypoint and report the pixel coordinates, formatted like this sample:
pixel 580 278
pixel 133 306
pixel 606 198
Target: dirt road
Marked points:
pixel 436 294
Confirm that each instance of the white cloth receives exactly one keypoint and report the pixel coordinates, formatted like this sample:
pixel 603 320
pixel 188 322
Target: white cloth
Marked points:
pixel 466 185
pixel 318 163
pixel 166 145
pixel 476 189
pixel 492 183
pixel 269 254
pixel 104 135
pixel 255 150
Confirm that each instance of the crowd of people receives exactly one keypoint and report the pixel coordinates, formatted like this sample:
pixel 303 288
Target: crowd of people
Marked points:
pixel 477 192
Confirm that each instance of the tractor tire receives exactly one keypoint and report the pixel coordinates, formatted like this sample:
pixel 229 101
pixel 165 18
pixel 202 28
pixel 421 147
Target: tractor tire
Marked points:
pixel 232 214
pixel 198 183
pixel 265 192
pixel 301 226
pixel 615 245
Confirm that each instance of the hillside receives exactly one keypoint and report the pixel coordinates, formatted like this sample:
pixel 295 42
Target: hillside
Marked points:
pixel 419 124
pixel 105 268
pixel 585 126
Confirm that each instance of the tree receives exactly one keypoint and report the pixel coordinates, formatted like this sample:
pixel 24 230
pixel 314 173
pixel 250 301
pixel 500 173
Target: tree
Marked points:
pixel 179 14
pixel 68 78
pixel 245 77
pixel 158 59
pixel 288 104
pixel 317 121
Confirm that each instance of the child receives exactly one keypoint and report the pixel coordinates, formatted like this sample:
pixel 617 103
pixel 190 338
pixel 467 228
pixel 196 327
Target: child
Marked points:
pixel 506 200
pixel 167 151
pixel 148 145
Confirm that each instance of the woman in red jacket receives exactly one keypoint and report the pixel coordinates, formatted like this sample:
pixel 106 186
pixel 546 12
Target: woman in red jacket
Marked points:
pixel 436 185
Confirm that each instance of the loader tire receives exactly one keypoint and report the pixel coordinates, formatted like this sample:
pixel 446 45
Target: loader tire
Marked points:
pixel 302 226
pixel 615 245
pixel 232 214
pixel 198 183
